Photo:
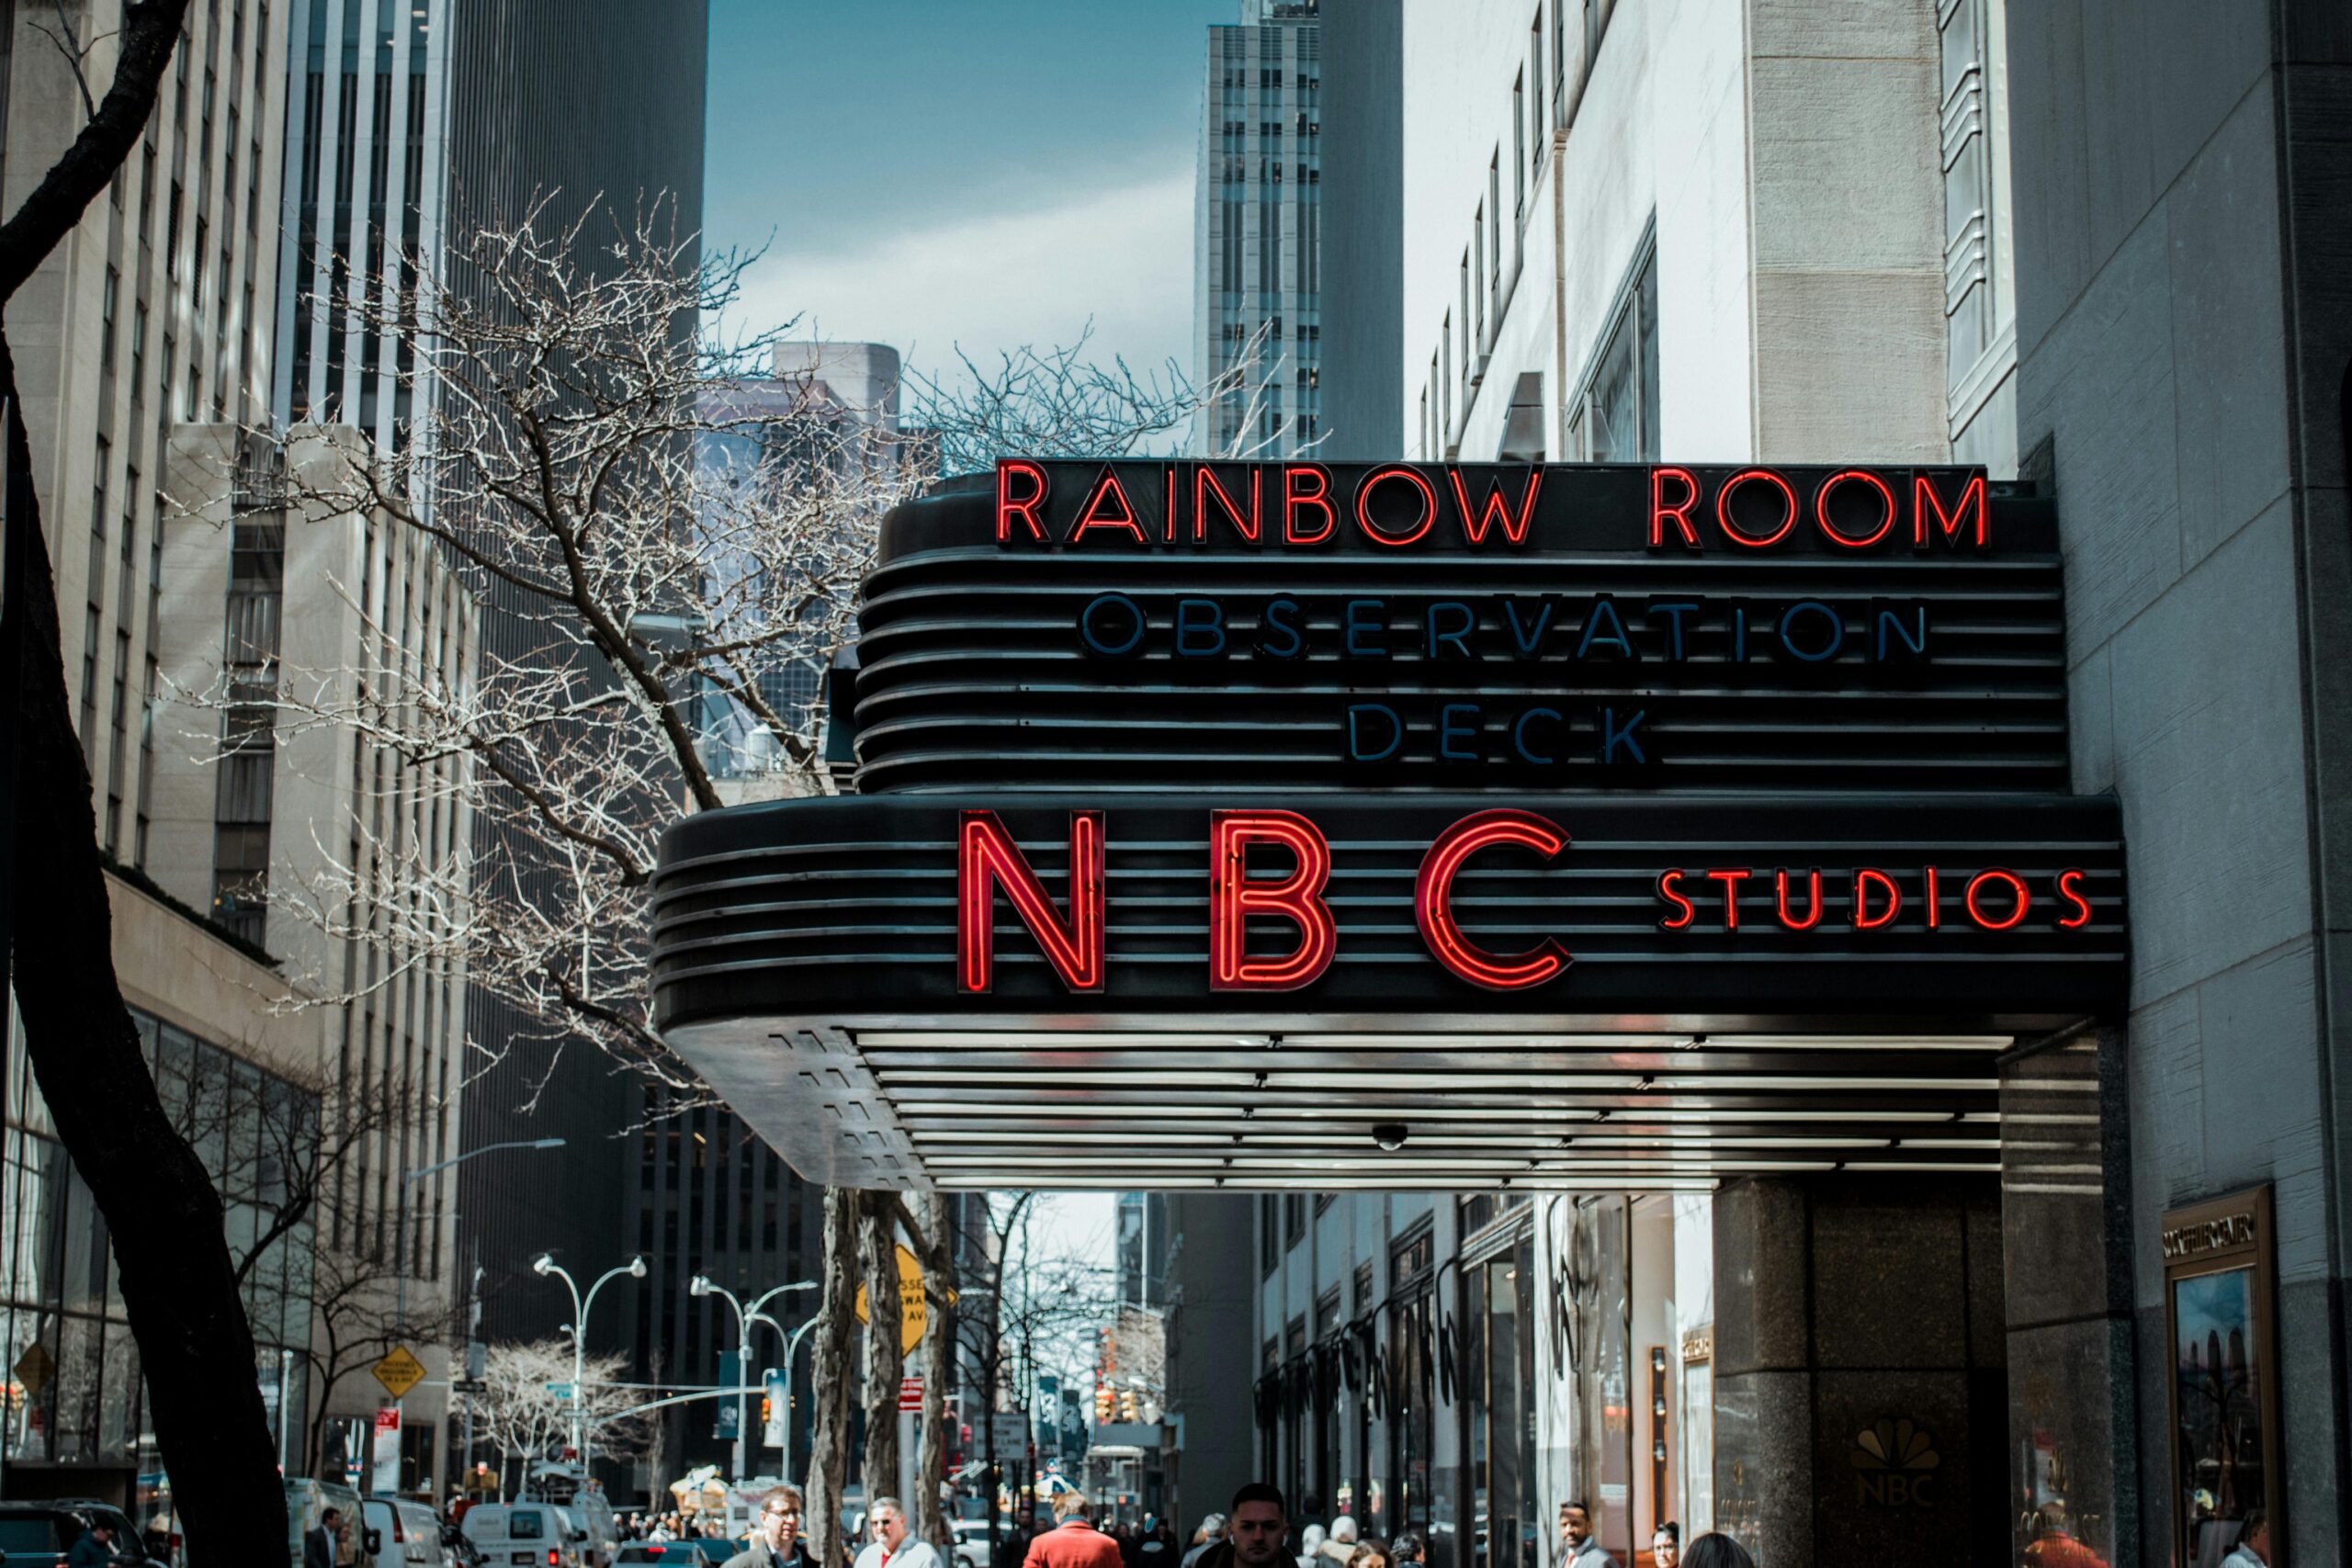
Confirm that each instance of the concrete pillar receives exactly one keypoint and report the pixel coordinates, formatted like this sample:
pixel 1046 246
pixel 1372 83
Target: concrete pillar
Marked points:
pixel 1859 1393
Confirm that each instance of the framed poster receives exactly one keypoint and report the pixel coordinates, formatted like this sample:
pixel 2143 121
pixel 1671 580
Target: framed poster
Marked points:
pixel 2224 1382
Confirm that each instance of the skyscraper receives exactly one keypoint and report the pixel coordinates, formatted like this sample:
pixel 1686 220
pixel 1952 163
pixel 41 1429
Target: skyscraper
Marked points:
pixel 1256 226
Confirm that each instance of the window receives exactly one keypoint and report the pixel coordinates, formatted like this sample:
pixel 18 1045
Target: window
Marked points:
pixel 1615 419
pixel 1518 148
pixel 1293 1218
pixel 106 323
pixel 1495 248
pixel 1482 322
pixel 1979 316
pixel 1536 136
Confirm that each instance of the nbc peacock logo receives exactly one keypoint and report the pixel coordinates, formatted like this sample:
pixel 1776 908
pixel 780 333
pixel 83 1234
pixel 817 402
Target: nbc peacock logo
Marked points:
pixel 1895 1464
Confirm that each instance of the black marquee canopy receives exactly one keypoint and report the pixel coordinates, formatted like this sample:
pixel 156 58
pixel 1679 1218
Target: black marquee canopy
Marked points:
pixel 1409 826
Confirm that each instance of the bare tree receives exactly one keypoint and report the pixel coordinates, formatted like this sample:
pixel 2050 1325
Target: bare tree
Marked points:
pixel 1026 1311
pixel 179 1287
pixel 526 1419
pixel 652 598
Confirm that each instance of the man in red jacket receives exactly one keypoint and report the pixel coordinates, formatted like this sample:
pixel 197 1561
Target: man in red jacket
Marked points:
pixel 1072 1542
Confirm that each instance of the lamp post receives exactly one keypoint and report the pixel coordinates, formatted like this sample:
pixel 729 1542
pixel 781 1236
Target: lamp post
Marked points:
pixel 400 1244
pixel 545 1264
pixel 702 1285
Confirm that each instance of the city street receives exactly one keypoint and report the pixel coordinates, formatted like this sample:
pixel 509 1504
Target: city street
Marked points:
pixel 1231 783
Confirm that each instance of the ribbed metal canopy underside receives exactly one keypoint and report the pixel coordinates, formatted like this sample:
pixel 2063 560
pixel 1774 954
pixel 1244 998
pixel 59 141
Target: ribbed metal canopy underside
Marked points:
pixel 903 1104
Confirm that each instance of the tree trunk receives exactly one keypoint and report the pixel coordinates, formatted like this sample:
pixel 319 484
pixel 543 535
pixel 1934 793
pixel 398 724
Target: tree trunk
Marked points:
pixel 829 1379
pixel 938 1354
pixel 885 1358
pixel 180 1285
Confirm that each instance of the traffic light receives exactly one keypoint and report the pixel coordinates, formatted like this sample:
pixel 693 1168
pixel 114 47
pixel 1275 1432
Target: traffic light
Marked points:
pixel 767 1410
pixel 1103 1398
pixel 1126 1407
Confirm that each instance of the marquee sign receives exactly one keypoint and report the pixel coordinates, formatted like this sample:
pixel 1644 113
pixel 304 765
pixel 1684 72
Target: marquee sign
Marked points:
pixel 1167 904
pixel 1467 627
pixel 1193 757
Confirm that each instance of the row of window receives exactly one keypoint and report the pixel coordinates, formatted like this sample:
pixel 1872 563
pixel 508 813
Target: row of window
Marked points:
pixel 1467 331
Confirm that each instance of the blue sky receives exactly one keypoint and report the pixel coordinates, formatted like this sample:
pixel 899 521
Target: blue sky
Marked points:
pixel 925 173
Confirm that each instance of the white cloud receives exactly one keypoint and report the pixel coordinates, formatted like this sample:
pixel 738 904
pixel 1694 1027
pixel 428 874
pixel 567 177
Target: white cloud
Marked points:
pixel 1000 279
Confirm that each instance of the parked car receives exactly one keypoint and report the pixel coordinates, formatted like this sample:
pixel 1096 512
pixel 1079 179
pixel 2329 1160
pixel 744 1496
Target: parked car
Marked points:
pixel 971 1543
pixel 524 1535
pixel 402 1534
pixel 39 1535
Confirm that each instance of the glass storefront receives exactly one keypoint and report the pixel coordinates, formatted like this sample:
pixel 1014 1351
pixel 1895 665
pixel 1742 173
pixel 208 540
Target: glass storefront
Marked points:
pixel 75 1401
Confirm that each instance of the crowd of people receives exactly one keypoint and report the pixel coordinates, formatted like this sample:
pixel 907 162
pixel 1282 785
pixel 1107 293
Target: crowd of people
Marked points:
pixel 1254 1533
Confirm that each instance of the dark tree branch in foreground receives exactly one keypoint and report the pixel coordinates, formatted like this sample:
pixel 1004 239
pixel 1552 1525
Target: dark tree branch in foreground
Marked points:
pixel 179 1286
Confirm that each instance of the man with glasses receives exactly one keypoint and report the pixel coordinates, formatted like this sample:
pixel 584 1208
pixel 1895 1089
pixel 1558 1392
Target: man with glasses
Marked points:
pixel 775 1538
pixel 893 1545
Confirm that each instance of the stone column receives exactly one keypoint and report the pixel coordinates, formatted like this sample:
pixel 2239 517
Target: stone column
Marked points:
pixel 1858 1385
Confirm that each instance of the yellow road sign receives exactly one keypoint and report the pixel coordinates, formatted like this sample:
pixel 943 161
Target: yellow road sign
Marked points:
pixel 912 1312
pixel 35 1367
pixel 398 1371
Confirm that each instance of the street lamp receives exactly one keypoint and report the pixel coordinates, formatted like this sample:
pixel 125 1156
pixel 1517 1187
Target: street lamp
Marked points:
pixel 544 1264
pixel 701 1285
pixel 399 1246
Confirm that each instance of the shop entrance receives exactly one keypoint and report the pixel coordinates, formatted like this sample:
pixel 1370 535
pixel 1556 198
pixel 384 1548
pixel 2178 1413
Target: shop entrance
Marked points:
pixel 1637 866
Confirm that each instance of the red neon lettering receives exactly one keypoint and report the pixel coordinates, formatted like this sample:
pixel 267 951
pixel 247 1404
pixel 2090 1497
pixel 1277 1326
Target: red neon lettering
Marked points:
pixel 1203 482
pixel 1781 891
pixel 1493 510
pixel 1433 900
pixel 1864 880
pixel 1168 503
pixel 1669 887
pixel 986 859
pixel 1887 501
pixel 1679 511
pixel 1925 503
pixel 2017 889
pixel 1935 902
pixel 1009 506
pixel 1091 515
pixel 1297 897
pixel 1731 881
pixel 2070 889
pixel 1379 476
pixel 1316 495
pixel 1788 508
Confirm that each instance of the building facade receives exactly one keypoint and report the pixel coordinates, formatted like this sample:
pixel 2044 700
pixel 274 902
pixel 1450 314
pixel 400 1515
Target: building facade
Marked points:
pixel 1639 231
pixel 1257 219
pixel 567 103
pixel 153 312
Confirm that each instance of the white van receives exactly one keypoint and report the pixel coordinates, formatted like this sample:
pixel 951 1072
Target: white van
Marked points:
pixel 405 1535
pixel 524 1535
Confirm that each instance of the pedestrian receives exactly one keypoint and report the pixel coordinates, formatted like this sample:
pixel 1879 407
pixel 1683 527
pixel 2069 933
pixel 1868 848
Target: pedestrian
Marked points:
pixel 1410 1549
pixel 96 1548
pixel 1310 1547
pixel 776 1534
pixel 1577 1547
pixel 1124 1534
pixel 893 1546
pixel 1666 1546
pixel 1715 1550
pixel 1339 1545
pixel 1211 1530
pixel 2253 1547
pixel 1073 1542
pixel 1155 1549
pixel 1255 1530
pixel 1370 1554
pixel 318 1545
